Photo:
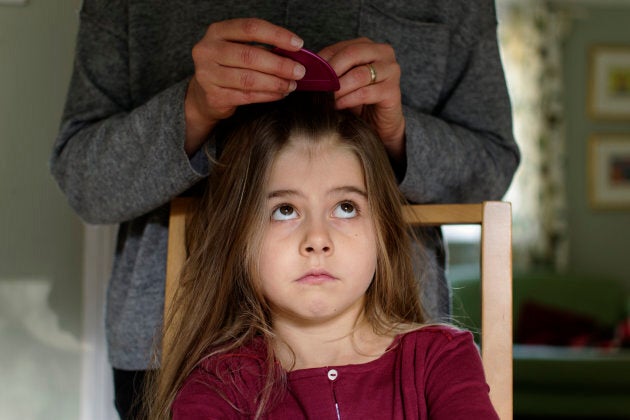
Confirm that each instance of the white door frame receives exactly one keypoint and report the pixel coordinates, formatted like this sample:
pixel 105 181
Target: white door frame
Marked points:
pixel 97 390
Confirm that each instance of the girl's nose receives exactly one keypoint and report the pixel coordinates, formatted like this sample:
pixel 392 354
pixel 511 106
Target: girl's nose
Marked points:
pixel 316 240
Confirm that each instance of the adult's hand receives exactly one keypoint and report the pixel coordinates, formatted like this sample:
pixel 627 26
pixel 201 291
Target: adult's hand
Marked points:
pixel 230 71
pixel 378 101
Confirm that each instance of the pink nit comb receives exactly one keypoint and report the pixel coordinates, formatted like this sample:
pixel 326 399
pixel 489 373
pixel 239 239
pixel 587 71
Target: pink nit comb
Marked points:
pixel 319 75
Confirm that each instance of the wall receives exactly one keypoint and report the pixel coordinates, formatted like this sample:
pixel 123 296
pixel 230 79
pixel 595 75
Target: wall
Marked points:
pixel 599 240
pixel 40 239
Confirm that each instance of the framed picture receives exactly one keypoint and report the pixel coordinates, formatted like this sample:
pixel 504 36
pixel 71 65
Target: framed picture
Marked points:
pixel 609 76
pixel 609 171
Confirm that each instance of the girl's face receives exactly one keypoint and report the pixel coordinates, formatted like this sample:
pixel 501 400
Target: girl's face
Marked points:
pixel 318 253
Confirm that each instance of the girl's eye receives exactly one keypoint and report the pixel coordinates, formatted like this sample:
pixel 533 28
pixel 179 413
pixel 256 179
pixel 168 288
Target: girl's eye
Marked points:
pixel 345 210
pixel 284 212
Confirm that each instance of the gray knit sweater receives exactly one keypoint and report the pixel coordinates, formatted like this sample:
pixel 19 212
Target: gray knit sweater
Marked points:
pixel 119 157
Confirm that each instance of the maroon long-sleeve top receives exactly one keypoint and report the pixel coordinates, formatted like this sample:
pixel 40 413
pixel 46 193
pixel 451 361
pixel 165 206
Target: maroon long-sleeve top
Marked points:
pixel 431 373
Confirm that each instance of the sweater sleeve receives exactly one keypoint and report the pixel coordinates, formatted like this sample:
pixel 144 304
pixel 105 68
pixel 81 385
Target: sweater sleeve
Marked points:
pixel 463 149
pixel 455 385
pixel 115 159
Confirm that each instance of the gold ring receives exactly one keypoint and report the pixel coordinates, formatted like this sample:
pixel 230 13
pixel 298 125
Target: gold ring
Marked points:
pixel 372 73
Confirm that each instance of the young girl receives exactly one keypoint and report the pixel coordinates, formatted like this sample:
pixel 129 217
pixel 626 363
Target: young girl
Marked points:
pixel 298 298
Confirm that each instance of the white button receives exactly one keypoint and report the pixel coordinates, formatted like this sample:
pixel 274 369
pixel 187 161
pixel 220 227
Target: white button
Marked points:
pixel 332 374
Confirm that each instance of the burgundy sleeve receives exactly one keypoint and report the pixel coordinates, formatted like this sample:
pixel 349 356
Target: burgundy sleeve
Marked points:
pixel 455 384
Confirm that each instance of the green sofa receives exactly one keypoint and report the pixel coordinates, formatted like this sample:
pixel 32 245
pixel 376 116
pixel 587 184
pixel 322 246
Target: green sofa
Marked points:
pixel 569 362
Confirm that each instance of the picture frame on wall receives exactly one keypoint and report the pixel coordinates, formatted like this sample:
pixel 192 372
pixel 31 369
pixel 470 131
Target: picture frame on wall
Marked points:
pixel 609 79
pixel 609 171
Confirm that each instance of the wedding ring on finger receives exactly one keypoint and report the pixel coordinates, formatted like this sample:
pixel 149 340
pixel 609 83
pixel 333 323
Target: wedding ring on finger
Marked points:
pixel 372 73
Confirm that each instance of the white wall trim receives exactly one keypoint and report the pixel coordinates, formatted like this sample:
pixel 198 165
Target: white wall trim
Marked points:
pixel 96 402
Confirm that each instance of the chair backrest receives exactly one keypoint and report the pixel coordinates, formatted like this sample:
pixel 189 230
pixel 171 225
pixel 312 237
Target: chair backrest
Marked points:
pixel 495 219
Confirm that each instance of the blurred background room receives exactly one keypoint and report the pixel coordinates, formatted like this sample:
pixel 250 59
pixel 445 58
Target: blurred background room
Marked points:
pixel 567 65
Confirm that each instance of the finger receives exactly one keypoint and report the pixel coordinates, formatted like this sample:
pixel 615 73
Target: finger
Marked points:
pixel 367 95
pixel 328 52
pixel 256 30
pixel 361 76
pixel 230 54
pixel 357 89
pixel 225 100
pixel 249 80
pixel 383 96
pixel 237 97
pixel 356 54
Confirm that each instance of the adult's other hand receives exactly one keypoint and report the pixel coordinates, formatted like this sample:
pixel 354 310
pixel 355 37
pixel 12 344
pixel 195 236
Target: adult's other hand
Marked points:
pixel 369 78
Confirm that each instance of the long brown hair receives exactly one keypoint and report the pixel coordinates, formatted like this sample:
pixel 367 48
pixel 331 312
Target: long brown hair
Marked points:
pixel 217 306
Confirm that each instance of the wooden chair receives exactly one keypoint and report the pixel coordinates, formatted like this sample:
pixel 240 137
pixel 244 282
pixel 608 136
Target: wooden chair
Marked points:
pixel 495 219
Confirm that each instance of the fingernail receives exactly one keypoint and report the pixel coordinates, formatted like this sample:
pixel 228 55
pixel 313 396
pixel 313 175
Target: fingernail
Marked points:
pixel 297 42
pixel 292 85
pixel 299 71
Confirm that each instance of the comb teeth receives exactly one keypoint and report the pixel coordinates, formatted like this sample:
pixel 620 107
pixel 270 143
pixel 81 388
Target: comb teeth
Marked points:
pixel 319 75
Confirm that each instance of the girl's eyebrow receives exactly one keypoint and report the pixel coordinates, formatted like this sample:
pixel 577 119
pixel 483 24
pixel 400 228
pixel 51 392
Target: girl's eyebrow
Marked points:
pixel 346 189
pixel 349 189
pixel 283 193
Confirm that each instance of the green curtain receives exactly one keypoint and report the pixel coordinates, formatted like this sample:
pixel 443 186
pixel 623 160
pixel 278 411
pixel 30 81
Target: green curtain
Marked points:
pixel 530 38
